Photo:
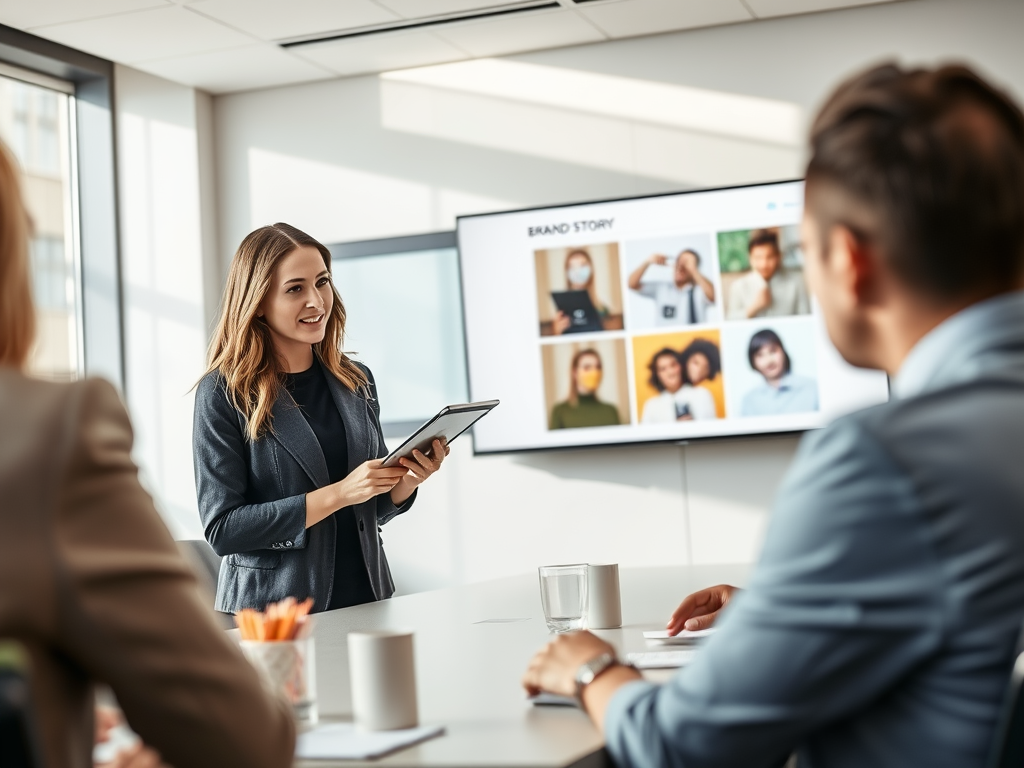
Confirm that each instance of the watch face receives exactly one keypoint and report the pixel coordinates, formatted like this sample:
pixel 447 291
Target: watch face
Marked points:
pixel 591 669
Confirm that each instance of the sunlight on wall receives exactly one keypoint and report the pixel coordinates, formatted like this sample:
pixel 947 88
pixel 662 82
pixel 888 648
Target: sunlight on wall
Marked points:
pixel 655 130
pixel 165 335
pixel 337 204
pixel 645 101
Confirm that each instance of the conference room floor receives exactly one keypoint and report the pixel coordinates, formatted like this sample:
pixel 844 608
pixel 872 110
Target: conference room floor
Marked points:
pixel 472 645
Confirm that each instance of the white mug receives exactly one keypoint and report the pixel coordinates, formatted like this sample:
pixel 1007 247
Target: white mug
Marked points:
pixel 605 610
pixel 383 674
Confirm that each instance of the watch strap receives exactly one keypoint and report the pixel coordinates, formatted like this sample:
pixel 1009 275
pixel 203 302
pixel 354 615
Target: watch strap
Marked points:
pixel 589 671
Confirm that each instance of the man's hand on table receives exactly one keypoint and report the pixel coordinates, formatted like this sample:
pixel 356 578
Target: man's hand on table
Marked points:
pixel 701 609
pixel 553 670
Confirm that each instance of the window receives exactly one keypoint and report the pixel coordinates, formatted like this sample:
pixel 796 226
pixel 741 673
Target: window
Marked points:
pixel 36 124
pixel 404 320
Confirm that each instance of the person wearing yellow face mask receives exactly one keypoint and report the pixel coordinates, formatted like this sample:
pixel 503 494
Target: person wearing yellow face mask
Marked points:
pixel 583 408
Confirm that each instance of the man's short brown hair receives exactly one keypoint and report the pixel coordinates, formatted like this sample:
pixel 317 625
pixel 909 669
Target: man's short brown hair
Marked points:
pixel 928 165
pixel 763 237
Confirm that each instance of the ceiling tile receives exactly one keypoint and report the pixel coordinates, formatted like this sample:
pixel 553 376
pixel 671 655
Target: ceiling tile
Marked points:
pixel 629 18
pixel 765 8
pixel 145 35
pixel 23 14
pixel 276 20
pixel 263 65
pixel 520 32
pixel 380 53
pixel 421 9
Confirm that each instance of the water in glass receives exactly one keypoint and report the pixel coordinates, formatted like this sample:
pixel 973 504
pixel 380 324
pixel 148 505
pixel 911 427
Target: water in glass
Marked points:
pixel 563 595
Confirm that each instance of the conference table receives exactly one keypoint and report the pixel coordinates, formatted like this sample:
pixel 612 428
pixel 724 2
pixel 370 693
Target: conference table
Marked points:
pixel 472 645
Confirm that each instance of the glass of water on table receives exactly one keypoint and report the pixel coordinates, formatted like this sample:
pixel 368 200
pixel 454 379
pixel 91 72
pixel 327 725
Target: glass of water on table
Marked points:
pixel 563 594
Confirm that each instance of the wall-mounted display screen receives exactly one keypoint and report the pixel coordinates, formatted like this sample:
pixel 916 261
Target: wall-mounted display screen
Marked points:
pixel 671 317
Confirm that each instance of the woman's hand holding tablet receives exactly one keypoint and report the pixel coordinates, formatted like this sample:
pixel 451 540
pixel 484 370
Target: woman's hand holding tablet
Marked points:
pixel 422 465
pixel 450 422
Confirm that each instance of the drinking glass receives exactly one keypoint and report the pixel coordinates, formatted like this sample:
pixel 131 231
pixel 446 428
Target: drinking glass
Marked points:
pixel 563 594
pixel 288 669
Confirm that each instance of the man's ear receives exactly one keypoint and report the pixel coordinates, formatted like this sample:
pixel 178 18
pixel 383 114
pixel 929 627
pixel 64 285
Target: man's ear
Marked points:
pixel 853 262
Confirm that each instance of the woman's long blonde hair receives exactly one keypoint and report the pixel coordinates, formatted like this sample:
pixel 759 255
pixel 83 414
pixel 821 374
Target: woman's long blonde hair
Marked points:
pixel 242 349
pixel 17 312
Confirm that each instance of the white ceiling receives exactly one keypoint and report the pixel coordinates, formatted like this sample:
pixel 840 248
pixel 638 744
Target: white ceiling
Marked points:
pixel 224 46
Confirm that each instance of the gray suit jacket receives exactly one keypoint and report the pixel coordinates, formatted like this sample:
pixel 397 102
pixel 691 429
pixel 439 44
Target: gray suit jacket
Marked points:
pixel 879 625
pixel 252 498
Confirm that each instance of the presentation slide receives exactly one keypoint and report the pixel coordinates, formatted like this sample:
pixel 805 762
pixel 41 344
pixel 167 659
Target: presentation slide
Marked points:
pixel 663 318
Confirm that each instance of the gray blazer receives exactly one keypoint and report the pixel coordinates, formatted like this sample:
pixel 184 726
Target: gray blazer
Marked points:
pixel 252 497
pixel 879 626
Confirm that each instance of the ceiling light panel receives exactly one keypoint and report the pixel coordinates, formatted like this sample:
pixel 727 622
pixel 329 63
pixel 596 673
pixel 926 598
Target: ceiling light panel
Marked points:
pixel 275 20
pixel 630 18
pixel 526 32
pixel 144 35
pixel 23 14
pixel 421 9
pixel 263 65
pixel 379 53
pixel 766 8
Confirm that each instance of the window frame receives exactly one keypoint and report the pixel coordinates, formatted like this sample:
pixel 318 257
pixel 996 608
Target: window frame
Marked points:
pixel 390 246
pixel 89 80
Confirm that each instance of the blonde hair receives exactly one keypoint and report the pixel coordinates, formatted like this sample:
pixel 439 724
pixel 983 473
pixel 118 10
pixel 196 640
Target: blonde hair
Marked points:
pixel 242 349
pixel 17 312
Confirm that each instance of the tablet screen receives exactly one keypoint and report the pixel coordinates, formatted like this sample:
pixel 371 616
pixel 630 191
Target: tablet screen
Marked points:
pixel 451 422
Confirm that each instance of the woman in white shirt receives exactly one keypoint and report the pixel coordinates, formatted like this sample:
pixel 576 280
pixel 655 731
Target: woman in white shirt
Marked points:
pixel 677 375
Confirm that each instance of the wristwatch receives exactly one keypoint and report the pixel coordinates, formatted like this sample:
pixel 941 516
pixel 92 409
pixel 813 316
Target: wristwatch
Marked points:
pixel 589 671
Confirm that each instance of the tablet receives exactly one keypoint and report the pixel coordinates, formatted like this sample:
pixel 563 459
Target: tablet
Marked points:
pixel 450 422
pixel 577 306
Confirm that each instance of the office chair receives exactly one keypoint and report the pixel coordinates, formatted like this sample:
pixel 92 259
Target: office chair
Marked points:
pixel 1008 748
pixel 205 563
pixel 19 745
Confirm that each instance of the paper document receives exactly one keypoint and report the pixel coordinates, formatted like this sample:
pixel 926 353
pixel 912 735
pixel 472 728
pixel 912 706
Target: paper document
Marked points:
pixel 670 659
pixel 119 738
pixel 685 637
pixel 343 741
pixel 553 699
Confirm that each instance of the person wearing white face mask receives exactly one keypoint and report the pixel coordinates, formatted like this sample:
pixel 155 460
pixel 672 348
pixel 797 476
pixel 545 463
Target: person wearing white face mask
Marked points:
pixel 579 276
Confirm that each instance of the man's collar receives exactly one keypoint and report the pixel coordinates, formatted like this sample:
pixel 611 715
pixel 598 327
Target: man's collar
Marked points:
pixel 953 351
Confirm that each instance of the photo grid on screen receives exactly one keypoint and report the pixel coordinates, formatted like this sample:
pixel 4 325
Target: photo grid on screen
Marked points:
pixel 675 329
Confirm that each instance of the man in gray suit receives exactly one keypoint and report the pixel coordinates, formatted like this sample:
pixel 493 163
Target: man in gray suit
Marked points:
pixel 879 625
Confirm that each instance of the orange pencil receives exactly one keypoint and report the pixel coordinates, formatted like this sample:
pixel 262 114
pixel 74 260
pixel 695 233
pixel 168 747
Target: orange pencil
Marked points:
pixel 287 624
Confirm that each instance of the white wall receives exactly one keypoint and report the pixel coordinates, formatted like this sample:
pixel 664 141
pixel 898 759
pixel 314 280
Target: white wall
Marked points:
pixel 165 220
pixel 380 156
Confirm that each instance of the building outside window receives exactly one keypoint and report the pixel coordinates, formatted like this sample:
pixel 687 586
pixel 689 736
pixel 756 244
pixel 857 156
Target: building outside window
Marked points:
pixel 36 125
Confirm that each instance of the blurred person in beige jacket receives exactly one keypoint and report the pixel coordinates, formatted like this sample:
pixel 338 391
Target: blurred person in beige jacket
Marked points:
pixel 91 582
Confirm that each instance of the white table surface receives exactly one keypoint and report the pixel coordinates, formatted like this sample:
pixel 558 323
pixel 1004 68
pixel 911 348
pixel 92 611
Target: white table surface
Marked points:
pixel 470 658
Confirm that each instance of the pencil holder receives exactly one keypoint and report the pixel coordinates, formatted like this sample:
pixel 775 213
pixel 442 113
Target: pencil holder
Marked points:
pixel 287 669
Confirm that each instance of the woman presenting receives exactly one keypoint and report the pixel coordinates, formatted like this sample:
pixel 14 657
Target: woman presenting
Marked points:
pixel 287 438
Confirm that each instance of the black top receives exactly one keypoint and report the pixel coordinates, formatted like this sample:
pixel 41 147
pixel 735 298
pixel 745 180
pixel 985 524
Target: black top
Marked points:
pixel 309 390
